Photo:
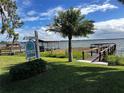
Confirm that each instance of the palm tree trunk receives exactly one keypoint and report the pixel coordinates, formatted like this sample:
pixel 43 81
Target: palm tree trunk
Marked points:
pixel 70 50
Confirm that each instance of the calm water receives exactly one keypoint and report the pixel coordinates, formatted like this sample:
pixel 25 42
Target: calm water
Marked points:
pixel 86 43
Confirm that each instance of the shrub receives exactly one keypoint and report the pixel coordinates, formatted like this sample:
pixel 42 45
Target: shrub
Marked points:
pixel 121 60
pixel 28 69
pixel 115 60
pixel 112 60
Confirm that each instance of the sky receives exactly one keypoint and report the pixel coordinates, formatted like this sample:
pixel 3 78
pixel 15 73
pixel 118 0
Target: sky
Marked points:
pixel 38 14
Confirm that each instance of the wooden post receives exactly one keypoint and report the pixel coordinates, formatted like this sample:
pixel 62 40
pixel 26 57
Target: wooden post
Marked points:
pixel 108 51
pixel 0 52
pixel 104 54
pixel 83 55
pixel 99 56
pixel 112 49
pixel 91 53
pixel 37 45
pixel 97 50
pixel 20 48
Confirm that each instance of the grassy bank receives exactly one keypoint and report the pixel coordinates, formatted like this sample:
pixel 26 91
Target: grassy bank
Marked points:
pixel 77 54
pixel 63 77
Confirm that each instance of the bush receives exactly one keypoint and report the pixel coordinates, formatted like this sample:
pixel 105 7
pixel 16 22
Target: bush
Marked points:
pixel 112 60
pixel 115 60
pixel 121 61
pixel 28 69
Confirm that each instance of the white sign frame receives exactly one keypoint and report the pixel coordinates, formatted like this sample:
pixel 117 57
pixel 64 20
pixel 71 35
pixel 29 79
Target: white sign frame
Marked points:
pixel 30 54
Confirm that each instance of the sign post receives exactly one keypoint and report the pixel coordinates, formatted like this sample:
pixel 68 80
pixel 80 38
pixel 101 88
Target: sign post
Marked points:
pixel 37 45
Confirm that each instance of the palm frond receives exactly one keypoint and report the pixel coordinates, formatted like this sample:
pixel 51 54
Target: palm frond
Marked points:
pixel 71 23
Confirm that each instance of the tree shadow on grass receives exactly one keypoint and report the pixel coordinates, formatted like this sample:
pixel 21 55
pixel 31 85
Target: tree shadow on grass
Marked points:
pixel 67 78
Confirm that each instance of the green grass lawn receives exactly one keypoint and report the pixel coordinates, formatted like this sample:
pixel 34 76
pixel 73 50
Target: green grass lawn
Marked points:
pixel 63 77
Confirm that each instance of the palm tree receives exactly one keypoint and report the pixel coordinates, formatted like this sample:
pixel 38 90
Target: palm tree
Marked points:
pixel 121 1
pixel 71 23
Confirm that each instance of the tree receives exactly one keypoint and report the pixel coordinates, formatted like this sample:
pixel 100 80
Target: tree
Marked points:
pixel 121 1
pixel 15 37
pixel 9 18
pixel 71 23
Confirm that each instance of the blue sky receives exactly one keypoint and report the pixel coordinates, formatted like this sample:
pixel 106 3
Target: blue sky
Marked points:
pixel 37 14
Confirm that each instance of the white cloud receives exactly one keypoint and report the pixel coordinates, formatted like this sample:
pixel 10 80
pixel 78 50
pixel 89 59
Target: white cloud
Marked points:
pixel 52 12
pixel 26 2
pixel 43 34
pixel 44 18
pixel 113 28
pixel 31 13
pixel 114 25
pixel 107 1
pixel 46 35
pixel 93 8
pixel 33 18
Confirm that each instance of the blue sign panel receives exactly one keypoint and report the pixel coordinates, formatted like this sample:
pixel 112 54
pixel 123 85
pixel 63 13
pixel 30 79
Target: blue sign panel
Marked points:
pixel 30 50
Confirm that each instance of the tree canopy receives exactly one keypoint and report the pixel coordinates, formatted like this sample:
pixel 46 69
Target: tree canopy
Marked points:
pixel 8 17
pixel 72 23
pixel 122 1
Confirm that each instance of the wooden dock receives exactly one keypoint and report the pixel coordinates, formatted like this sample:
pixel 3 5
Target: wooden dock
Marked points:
pixel 100 51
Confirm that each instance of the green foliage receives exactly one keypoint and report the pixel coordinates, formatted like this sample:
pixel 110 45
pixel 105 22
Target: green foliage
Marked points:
pixel 48 54
pixel 63 54
pixel 71 23
pixel 78 55
pixel 115 60
pixel 28 69
pixel 121 1
pixel 10 19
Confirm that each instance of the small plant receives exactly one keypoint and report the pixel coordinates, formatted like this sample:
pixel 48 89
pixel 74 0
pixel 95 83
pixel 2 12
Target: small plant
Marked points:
pixel 115 60
pixel 28 69
pixel 112 60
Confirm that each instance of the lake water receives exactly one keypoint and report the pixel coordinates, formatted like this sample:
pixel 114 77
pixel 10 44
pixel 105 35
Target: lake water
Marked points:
pixel 86 43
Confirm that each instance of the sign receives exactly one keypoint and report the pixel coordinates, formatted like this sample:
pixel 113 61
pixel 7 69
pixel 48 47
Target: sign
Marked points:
pixel 30 50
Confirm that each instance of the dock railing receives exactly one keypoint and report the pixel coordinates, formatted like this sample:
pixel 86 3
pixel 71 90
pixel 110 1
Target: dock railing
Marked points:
pixel 102 50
